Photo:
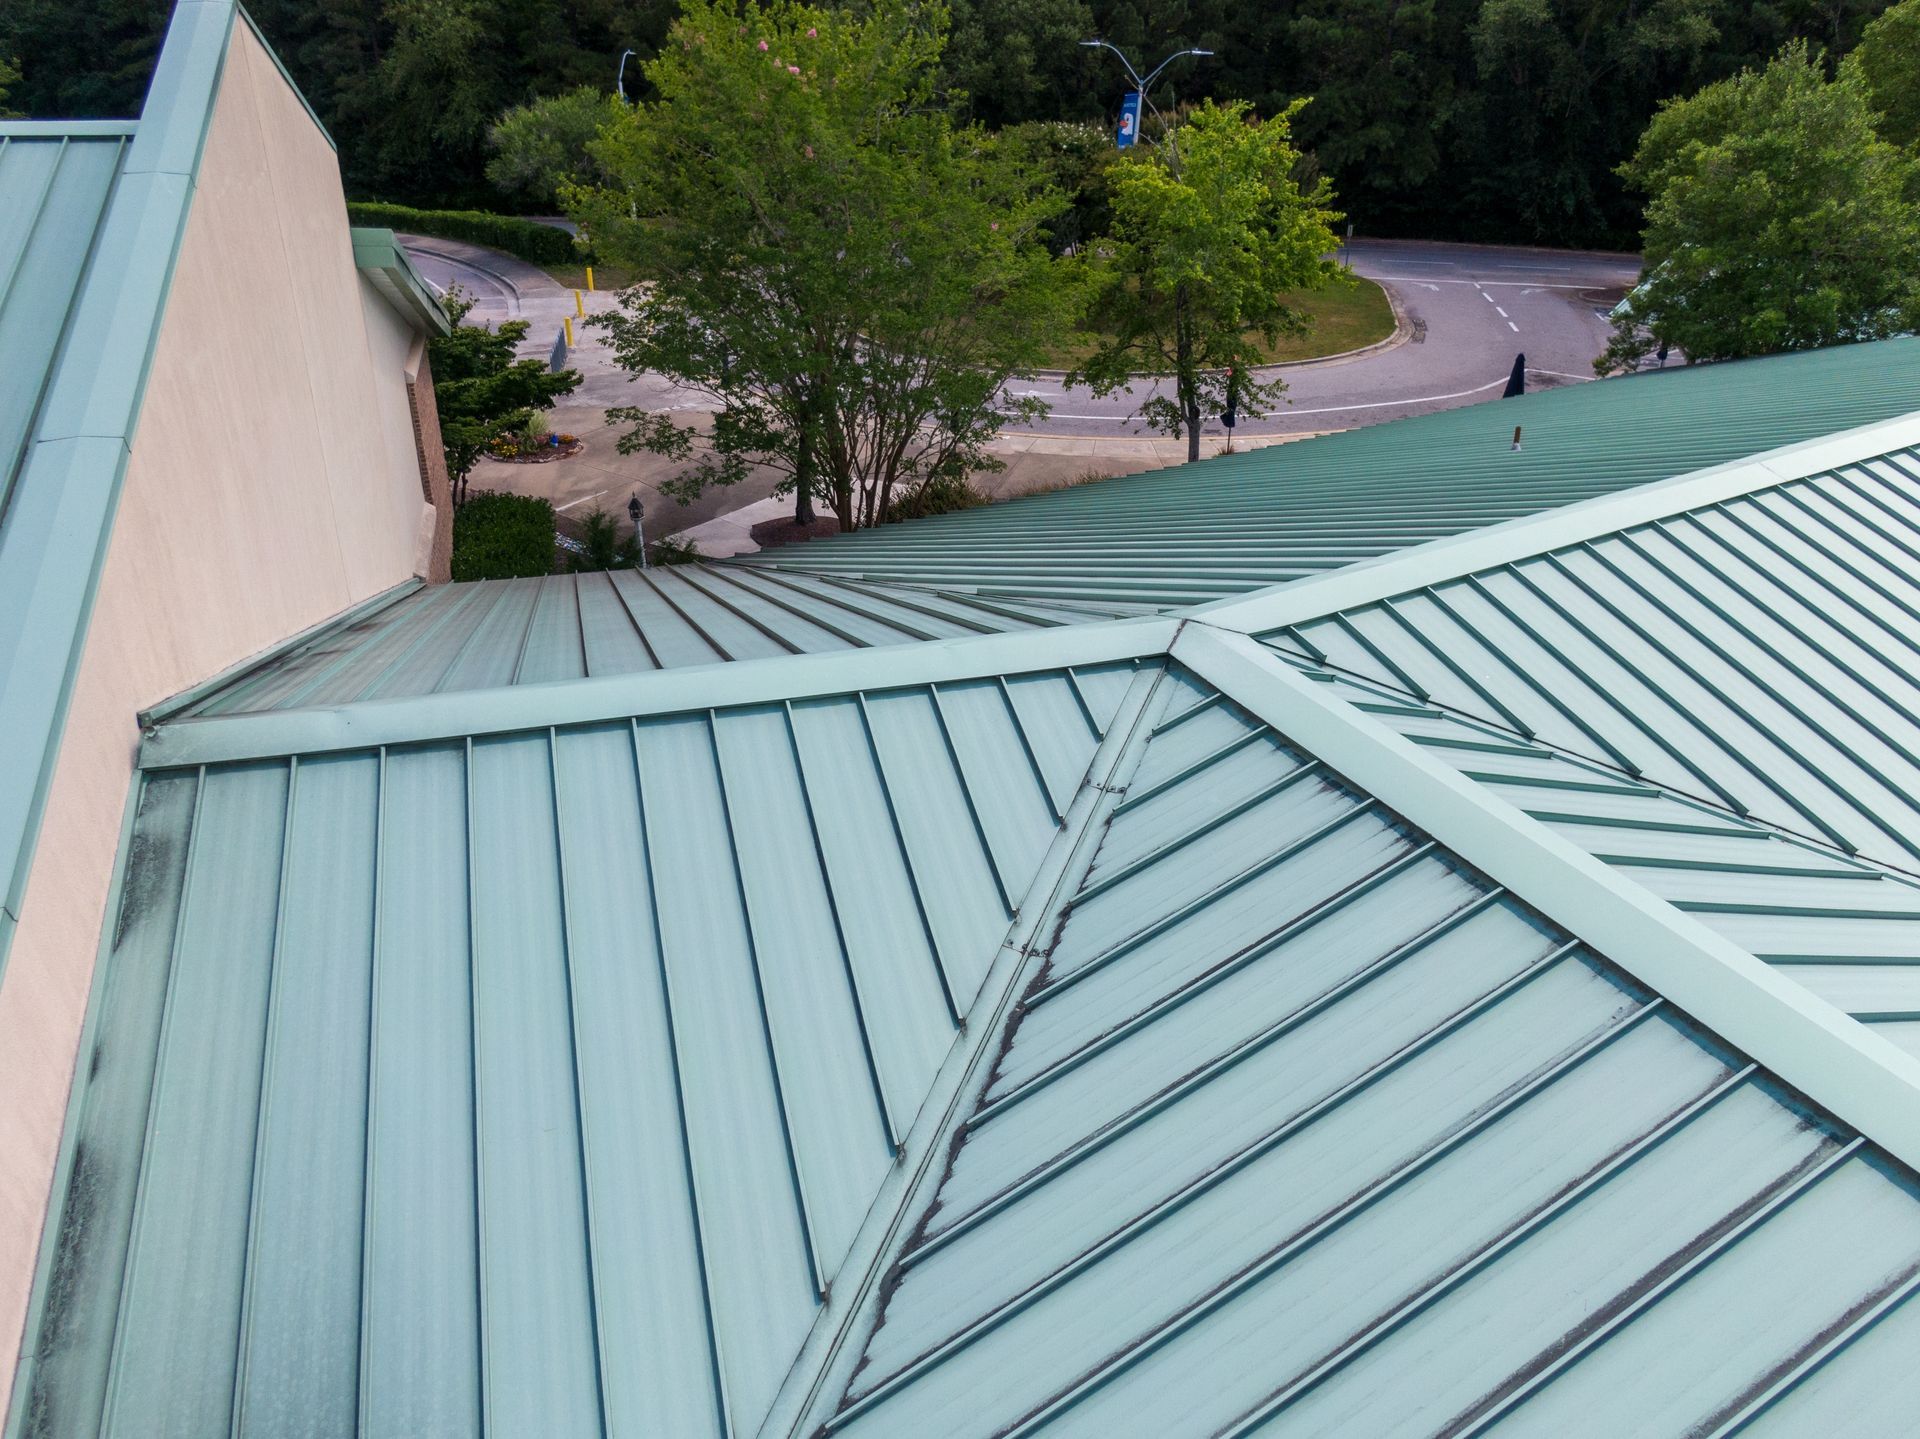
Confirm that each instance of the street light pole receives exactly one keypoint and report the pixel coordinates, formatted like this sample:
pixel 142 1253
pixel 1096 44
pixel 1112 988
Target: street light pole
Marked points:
pixel 1142 86
pixel 620 80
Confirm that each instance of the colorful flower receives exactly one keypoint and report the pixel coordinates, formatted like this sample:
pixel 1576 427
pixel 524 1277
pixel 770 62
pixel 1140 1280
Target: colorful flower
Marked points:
pixel 763 44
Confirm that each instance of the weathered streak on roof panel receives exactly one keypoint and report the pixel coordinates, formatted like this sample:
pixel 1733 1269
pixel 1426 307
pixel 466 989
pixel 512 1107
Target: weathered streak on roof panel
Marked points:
pixel 1200 532
pixel 488 633
pixel 546 1075
pixel 1758 654
pixel 1412 1162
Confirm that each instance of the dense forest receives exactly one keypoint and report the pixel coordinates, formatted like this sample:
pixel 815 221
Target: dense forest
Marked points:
pixel 1470 119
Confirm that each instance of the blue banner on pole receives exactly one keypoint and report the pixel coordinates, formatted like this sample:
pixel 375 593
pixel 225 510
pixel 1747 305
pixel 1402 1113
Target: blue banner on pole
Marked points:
pixel 1129 120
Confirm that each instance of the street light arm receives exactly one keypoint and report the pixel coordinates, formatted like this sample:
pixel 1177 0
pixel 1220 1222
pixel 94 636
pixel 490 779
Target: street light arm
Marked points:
pixel 1168 61
pixel 1132 74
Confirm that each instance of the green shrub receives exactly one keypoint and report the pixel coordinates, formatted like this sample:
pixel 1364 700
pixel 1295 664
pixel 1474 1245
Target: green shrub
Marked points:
pixel 528 239
pixel 502 537
pixel 937 495
pixel 672 550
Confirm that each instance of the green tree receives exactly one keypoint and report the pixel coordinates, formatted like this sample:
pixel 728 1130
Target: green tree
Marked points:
pixel 1889 62
pixel 1210 230
pixel 481 391
pixel 541 145
pixel 502 537
pixel 1778 219
pixel 9 77
pixel 1018 60
pixel 847 279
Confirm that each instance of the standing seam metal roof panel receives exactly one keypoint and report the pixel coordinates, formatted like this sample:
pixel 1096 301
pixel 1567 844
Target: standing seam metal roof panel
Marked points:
pixel 1237 523
pixel 536 1082
pixel 1378 1154
pixel 490 633
pixel 1758 653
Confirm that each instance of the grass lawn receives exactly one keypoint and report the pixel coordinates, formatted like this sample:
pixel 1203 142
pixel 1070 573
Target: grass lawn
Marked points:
pixel 1345 317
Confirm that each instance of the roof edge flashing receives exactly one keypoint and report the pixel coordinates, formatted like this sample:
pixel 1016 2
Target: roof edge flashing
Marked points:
pixel 1841 1065
pixel 1297 601
pixel 368 724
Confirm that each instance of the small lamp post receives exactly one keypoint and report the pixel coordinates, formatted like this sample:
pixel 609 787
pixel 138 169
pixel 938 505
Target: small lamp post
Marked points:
pixel 620 79
pixel 634 513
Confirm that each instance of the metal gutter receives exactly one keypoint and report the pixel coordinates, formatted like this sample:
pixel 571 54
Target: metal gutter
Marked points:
pixel 1864 1080
pixel 364 725
pixel 187 698
pixel 377 253
pixel 1370 581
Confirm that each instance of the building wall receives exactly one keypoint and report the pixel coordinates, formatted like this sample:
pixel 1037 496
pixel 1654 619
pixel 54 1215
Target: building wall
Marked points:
pixel 272 482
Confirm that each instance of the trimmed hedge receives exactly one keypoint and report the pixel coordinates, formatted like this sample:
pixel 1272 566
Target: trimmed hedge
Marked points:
pixel 502 537
pixel 528 239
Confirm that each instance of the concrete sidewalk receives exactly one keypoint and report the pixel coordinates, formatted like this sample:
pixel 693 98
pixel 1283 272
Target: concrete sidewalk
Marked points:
pixel 1033 462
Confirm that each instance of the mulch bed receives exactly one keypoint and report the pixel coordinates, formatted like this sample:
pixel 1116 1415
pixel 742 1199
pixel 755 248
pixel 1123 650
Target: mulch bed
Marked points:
pixel 544 456
pixel 770 533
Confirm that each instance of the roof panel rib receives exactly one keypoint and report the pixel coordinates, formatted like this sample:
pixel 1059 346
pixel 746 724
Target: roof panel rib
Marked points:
pixel 485 634
pixel 1199 532
pixel 1758 653
pixel 1328 1134
pixel 552 1072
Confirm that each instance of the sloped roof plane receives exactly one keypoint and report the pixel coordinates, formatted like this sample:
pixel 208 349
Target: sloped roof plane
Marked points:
pixel 1274 1015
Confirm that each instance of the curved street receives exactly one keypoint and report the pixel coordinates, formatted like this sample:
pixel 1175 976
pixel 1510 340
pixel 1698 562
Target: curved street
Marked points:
pixel 1466 311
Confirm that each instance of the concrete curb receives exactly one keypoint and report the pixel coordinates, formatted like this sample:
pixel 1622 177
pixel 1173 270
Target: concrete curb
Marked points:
pixel 1402 331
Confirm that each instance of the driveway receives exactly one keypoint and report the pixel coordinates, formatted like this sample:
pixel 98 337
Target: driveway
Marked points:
pixel 1468 310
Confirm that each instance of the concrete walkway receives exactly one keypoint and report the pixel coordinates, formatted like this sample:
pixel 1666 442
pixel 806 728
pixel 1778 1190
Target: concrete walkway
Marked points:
pixel 1033 462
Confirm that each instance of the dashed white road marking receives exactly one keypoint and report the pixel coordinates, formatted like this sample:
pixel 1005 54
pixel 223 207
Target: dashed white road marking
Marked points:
pixel 1511 326
pixel 1500 312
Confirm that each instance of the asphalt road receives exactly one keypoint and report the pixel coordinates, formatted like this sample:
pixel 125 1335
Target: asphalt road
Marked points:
pixel 1469 309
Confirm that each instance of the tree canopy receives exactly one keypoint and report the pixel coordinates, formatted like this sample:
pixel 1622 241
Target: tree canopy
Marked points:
pixel 1453 119
pixel 482 391
pixel 1777 220
pixel 1210 230
pixel 847 279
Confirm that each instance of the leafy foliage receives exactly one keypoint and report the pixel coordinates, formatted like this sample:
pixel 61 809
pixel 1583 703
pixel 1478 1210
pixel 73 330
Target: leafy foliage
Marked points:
pixel 847 279
pixel 481 391
pixel 1210 230
pixel 502 537
pixel 9 77
pixel 601 545
pixel 1778 221
pixel 1464 119
pixel 541 145
pixel 1889 63
pixel 533 242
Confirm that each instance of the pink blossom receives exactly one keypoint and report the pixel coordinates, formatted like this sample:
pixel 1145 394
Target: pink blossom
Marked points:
pixel 809 150
pixel 995 225
pixel 812 34
pixel 763 44
pixel 793 69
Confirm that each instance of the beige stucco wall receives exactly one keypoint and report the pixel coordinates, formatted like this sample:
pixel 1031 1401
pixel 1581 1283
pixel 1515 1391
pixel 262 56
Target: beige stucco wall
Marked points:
pixel 272 483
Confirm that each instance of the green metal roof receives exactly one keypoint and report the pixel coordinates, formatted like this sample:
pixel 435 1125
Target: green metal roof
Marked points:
pixel 386 265
pixel 953 1019
pixel 1301 1127
pixel 1225 526
pixel 553 1073
pixel 70 412
pixel 1758 652
pixel 486 633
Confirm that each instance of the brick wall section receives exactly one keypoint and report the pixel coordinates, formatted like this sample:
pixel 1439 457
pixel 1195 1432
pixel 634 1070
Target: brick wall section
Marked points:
pixel 434 487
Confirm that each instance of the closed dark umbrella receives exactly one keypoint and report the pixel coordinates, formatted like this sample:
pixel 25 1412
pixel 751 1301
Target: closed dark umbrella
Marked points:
pixel 1517 381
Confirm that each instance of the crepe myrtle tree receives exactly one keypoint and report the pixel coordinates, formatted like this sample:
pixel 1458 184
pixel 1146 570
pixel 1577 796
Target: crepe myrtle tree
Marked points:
pixel 848 279
pixel 1211 232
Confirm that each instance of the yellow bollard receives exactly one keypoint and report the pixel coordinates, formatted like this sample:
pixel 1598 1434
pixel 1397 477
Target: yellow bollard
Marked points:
pixel 579 305
pixel 569 321
pixel 589 277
